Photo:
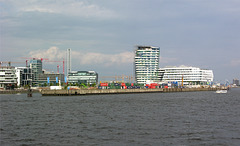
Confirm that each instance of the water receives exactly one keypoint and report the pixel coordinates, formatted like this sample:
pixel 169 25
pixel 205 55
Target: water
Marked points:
pixel 190 118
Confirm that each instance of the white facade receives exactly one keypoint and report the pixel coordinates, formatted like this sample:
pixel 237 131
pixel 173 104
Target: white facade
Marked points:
pixel 147 64
pixel 85 77
pixel 190 75
pixel 24 76
pixel 8 78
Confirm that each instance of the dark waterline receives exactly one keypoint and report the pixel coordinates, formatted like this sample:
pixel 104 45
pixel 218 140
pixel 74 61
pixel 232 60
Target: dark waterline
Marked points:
pixel 189 118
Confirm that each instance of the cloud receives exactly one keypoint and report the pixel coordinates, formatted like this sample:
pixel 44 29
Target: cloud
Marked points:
pixel 89 58
pixel 53 53
pixel 63 7
pixel 85 58
pixel 36 9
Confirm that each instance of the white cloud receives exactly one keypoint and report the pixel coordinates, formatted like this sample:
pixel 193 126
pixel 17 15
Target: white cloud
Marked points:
pixel 84 58
pixel 88 58
pixel 36 9
pixel 63 7
pixel 53 53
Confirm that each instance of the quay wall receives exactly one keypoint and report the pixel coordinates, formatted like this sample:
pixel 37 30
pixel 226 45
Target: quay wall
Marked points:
pixel 119 91
pixel 16 91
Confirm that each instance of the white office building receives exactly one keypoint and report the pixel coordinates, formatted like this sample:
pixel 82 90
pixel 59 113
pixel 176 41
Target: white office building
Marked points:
pixel 189 75
pixel 24 76
pixel 8 78
pixel 83 77
pixel 147 64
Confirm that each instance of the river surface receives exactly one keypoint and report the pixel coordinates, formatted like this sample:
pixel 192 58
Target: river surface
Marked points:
pixel 188 118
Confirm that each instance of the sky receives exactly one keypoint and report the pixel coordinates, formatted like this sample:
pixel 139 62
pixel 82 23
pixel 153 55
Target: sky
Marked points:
pixel 103 34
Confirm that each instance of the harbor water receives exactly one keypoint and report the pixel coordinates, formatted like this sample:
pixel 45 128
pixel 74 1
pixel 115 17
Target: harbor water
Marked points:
pixel 181 118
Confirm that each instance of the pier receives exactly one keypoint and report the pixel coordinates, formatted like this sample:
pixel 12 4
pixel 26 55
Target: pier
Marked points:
pixel 118 91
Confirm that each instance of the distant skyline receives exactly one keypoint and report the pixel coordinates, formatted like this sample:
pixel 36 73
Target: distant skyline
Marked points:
pixel 103 34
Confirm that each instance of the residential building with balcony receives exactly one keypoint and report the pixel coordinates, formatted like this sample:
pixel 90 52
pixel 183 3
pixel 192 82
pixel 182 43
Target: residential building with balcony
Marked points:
pixel 146 64
pixel 8 78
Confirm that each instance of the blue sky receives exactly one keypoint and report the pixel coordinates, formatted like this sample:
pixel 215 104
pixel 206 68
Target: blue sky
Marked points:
pixel 103 33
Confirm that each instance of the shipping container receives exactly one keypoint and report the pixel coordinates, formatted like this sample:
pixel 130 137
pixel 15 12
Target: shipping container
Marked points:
pixel 104 84
pixel 153 84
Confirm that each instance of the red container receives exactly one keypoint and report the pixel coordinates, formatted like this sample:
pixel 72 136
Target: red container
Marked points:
pixel 154 84
pixel 123 84
pixel 153 87
pixel 104 84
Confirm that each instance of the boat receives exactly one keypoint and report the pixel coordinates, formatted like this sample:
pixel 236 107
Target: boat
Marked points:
pixel 221 91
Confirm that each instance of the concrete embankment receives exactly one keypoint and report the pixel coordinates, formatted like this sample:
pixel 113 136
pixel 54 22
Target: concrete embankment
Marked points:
pixel 16 91
pixel 118 91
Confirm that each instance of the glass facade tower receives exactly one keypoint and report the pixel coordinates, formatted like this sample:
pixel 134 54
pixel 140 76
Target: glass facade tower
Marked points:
pixel 147 64
pixel 36 66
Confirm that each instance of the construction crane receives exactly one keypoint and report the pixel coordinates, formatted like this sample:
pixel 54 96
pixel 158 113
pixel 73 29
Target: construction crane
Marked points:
pixel 32 59
pixel 122 77
pixel 58 69
pixel 58 65
pixel 35 58
pixel 8 62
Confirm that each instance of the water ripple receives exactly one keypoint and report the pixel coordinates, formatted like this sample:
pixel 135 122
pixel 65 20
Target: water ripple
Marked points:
pixel 191 118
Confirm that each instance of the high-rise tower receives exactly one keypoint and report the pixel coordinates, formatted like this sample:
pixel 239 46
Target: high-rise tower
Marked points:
pixel 36 67
pixel 147 64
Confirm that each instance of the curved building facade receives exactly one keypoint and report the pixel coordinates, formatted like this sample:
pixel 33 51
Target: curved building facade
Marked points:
pixel 189 75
